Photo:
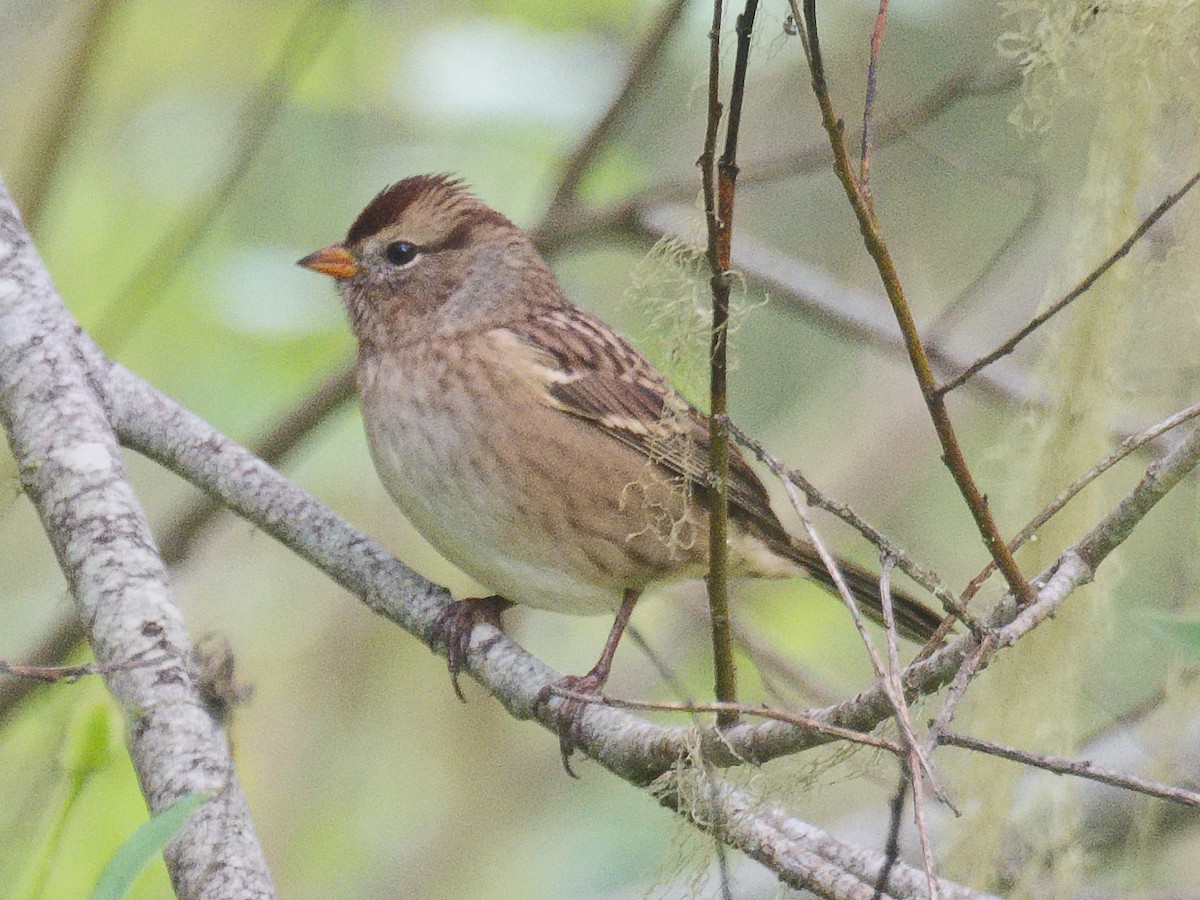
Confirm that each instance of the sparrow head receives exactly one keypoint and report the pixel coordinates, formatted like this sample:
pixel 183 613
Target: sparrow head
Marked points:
pixel 427 256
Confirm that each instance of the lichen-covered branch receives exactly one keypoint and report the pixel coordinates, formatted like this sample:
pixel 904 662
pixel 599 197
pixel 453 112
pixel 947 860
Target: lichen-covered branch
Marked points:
pixel 71 470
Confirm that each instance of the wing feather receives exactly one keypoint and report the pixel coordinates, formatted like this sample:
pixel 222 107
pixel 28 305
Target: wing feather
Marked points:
pixel 591 372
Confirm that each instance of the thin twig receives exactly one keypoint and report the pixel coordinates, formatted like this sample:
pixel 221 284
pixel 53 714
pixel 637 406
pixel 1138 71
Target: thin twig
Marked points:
pixel 974 662
pixel 918 759
pixel 917 763
pixel 1128 446
pixel 952 453
pixel 715 205
pixel 864 161
pixel 891 850
pixel 1074 294
pixel 70 674
pixel 893 689
pixel 764 712
pixel 1081 769
pixel 927 578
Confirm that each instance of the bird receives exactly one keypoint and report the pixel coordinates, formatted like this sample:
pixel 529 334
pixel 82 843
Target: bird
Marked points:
pixel 532 445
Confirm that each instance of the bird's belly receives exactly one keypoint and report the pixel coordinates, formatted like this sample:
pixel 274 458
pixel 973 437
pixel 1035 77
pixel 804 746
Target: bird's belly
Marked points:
pixel 449 485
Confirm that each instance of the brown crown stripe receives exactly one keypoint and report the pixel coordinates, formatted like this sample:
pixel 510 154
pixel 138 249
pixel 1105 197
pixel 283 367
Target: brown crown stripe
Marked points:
pixel 448 192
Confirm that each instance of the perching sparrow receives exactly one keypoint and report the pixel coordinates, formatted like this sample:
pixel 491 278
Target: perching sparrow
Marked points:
pixel 534 447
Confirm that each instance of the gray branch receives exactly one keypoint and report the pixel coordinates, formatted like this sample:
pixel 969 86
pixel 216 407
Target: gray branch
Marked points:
pixel 71 469
pixel 805 857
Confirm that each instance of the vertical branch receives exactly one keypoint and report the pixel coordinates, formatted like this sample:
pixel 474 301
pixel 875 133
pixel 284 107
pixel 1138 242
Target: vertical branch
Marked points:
pixel 718 459
pixel 864 161
pixel 952 453
pixel 719 182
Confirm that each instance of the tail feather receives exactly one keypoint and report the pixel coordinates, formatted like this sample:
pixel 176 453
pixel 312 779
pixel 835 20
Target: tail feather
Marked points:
pixel 914 620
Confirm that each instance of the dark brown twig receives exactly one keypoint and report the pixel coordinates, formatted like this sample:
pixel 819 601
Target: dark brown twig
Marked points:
pixel 719 178
pixel 922 367
pixel 1074 294
pixel 1082 769
pixel 891 850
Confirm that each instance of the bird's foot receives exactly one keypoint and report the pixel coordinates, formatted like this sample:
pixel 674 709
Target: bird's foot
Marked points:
pixel 456 624
pixel 571 710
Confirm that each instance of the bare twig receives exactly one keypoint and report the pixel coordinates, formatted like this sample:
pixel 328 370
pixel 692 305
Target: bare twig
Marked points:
pixel 718 184
pixel 763 712
pixel 919 358
pixel 54 674
pixel 974 662
pixel 864 159
pixel 892 687
pixel 1074 294
pixel 927 578
pixel 1082 769
pixel 1128 446
pixel 916 763
pixel 891 849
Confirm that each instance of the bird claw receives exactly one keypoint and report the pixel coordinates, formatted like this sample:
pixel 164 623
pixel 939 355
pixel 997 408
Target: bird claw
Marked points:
pixel 457 623
pixel 570 711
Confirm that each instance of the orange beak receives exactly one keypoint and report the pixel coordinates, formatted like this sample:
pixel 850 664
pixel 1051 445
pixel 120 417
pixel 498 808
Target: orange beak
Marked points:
pixel 334 261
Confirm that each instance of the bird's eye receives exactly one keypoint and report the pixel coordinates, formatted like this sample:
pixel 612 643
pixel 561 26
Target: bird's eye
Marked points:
pixel 401 253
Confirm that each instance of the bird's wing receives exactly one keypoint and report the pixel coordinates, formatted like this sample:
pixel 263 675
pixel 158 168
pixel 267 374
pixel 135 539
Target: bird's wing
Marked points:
pixel 591 372
pixel 587 370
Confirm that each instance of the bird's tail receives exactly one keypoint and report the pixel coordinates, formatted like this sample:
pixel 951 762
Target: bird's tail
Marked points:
pixel 914 620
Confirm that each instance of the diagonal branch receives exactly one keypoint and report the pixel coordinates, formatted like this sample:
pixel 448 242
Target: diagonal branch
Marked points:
pixel 918 356
pixel 1074 294
pixel 179 536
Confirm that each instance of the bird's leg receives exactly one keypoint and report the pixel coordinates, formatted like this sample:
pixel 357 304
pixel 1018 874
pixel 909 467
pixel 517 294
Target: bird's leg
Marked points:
pixel 456 624
pixel 570 712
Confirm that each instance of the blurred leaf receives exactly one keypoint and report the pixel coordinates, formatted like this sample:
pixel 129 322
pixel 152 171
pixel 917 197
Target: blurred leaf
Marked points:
pixel 1184 634
pixel 86 749
pixel 88 744
pixel 143 846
